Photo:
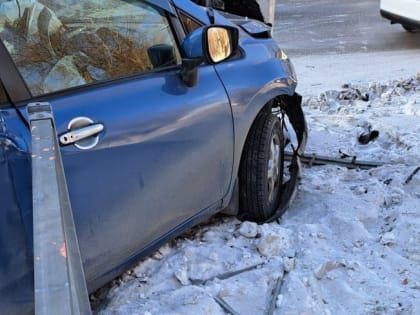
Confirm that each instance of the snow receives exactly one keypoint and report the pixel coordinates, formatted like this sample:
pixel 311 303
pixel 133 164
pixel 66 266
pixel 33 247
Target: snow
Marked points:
pixel 348 244
pixel 319 73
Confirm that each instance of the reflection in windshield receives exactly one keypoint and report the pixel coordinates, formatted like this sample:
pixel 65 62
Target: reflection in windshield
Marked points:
pixel 62 44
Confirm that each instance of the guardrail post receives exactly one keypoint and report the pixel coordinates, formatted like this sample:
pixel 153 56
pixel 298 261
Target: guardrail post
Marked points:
pixel 60 285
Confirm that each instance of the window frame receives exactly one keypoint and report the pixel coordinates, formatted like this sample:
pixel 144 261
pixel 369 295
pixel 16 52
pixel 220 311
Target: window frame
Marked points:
pixel 16 91
pixel 181 13
pixel 3 96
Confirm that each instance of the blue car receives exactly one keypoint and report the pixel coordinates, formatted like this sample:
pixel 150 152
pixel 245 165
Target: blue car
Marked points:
pixel 190 111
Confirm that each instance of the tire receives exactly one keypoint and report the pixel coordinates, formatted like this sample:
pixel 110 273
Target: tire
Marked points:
pixel 262 169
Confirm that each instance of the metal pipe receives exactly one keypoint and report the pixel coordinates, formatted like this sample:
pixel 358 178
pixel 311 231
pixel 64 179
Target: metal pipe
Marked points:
pixel 352 162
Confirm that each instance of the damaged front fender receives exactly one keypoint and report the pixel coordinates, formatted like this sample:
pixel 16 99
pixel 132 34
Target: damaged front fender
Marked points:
pixel 290 107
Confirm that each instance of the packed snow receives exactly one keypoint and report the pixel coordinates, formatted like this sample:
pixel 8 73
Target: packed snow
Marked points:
pixel 348 244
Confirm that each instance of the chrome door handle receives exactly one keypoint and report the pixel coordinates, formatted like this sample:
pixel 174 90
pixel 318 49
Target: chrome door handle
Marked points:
pixel 80 134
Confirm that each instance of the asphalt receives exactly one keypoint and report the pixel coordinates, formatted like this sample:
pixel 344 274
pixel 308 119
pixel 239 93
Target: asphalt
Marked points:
pixel 332 43
pixel 306 27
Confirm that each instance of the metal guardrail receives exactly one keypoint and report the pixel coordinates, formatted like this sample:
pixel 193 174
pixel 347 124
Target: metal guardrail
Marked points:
pixel 60 285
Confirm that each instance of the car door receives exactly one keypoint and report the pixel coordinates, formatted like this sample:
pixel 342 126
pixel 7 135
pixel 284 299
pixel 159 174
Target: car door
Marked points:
pixel 161 154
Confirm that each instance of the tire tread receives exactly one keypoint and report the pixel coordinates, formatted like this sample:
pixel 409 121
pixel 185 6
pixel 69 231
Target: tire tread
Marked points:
pixel 253 169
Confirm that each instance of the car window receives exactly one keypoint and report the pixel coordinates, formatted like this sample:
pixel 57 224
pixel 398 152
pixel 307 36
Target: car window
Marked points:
pixel 57 45
pixel 188 22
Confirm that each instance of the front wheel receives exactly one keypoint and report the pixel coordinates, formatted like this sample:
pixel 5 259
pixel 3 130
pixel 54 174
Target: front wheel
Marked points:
pixel 262 169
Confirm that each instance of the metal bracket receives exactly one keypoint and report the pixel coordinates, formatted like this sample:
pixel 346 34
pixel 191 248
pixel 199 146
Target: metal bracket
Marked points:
pixel 351 162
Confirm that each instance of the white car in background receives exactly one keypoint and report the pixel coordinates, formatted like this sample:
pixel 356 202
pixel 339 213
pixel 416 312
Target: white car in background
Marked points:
pixel 404 12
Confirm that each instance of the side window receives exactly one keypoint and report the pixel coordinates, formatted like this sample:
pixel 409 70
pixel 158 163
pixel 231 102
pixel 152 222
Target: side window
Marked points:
pixel 57 45
pixel 188 23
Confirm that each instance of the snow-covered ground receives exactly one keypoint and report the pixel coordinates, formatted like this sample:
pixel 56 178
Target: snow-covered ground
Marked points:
pixel 349 244
pixel 319 73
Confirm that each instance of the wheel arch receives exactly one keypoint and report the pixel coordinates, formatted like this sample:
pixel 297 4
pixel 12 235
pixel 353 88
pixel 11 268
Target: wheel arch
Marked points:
pixel 291 103
pixel 244 117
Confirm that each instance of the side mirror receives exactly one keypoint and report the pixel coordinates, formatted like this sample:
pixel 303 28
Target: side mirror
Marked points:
pixel 189 71
pixel 211 44
pixel 220 43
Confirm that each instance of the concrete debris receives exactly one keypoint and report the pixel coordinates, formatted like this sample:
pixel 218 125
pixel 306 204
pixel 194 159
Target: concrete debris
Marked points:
pixel 248 229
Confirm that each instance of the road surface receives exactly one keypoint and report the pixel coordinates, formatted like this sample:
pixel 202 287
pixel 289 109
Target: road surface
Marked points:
pixel 331 41
pixel 329 26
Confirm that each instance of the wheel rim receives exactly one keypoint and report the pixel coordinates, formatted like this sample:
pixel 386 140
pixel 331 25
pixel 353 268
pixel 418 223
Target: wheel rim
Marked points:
pixel 273 169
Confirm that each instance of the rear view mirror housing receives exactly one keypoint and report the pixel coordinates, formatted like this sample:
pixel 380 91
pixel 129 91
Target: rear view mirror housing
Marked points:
pixel 210 44
pixel 220 43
